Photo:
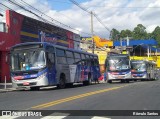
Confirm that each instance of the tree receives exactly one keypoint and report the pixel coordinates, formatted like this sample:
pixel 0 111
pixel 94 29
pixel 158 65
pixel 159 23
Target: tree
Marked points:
pixel 139 32
pixel 125 33
pixel 156 34
pixel 115 35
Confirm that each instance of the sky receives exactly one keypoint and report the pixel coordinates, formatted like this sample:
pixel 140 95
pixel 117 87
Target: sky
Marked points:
pixel 118 14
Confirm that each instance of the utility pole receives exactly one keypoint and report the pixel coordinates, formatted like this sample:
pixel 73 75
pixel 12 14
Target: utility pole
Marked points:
pixel 92 32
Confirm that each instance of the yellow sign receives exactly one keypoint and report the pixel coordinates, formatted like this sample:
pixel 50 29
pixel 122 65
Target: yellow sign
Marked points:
pixel 87 39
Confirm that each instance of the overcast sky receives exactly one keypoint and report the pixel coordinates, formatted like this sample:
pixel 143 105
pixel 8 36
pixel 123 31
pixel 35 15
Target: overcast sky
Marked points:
pixel 118 14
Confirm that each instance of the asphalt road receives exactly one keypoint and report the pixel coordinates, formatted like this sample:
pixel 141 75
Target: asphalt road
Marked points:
pixel 117 96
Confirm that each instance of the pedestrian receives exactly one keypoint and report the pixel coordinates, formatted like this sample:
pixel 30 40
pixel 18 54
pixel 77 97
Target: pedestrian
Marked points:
pixel 105 76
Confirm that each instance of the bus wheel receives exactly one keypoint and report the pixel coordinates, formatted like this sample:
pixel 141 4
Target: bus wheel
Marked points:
pixel 122 81
pixel 127 81
pixel 109 81
pixel 34 88
pixel 62 83
pixel 89 79
pixel 69 85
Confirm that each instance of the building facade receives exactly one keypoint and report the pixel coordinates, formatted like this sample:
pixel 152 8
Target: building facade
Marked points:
pixel 19 29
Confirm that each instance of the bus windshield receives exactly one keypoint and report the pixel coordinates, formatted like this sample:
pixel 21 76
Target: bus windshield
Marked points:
pixel 28 60
pixel 138 66
pixel 118 63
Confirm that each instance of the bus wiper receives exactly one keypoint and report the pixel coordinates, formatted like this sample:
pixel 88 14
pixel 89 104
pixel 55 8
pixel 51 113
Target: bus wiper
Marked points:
pixel 119 61
pixel 116 63
pixel 139 66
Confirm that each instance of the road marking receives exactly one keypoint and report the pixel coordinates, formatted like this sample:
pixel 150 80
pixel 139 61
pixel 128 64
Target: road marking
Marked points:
pixel 54 117
pixel 52 103
pixel 96 117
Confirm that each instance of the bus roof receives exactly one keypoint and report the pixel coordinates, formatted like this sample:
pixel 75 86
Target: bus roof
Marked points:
pixel 143 61
pixel 50 44
pixel 138 61
pixel 118 55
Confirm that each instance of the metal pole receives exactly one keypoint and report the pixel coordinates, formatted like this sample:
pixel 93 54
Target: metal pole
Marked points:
pixel 140 50
pixel 92 32
pixel 121 45
pixel 148 51
pixel 156 55
pixel 5 83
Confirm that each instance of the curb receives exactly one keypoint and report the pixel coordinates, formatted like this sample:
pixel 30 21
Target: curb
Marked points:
pixel 7 90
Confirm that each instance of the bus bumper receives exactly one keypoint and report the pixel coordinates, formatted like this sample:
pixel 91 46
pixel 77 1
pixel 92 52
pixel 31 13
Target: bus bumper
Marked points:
pixel 119 77
pixel 144 77
pixel 27 83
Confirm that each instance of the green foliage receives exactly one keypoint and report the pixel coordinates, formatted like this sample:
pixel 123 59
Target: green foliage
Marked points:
pixel 125 33
pixel 156 34
pixel 139 32
pixel 115 35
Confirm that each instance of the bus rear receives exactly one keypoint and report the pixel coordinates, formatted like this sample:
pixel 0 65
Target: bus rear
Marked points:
pixel 118 68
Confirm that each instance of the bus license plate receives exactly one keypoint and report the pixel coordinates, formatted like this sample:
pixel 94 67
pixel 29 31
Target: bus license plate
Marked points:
pixel 26 84
pixel 120 76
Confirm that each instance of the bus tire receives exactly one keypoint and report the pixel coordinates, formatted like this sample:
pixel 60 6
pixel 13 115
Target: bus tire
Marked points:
pixel 85 83
pixel 89 82
pixel 109 81
pixel 122 81
pixel 127 81
pixel 34 88
pixel 69 85
pixel 62 82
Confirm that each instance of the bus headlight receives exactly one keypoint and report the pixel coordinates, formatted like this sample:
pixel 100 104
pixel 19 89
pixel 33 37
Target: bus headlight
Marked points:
pixel 42 75
pixel 128 74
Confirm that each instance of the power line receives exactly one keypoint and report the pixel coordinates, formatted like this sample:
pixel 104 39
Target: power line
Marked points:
pixel 17 4
pixel 58 1
pixel 7 7
pixel 22 8
pixel 42 25
pixel 101 22
pixel 124 7
pixel 49 16
pixel 44 14
pixel 77 4
pixel 60 12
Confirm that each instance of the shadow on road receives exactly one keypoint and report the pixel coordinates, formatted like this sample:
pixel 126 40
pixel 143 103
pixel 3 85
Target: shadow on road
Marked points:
pixel 49 88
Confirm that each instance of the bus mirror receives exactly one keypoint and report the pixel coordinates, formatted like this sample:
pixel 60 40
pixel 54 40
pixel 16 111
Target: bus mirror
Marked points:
pixel 50 58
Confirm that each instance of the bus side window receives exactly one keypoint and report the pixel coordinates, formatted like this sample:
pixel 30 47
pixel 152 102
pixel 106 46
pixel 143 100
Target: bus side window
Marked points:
pixel 96 61
pixel 92 62
pixel 60 56
pixel 70 57
pixel 77 58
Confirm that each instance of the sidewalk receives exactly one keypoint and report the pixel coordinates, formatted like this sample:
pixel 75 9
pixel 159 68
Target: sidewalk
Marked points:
pixel 7 88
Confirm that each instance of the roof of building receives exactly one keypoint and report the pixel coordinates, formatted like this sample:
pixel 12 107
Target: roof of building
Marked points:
pixel 151 42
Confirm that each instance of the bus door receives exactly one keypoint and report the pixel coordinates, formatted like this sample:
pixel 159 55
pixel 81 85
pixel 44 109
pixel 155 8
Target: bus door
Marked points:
pixel 51 68
pixel 96 69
